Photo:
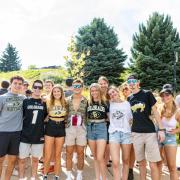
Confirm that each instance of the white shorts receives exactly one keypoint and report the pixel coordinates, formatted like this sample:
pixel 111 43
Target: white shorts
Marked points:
pixel 25 150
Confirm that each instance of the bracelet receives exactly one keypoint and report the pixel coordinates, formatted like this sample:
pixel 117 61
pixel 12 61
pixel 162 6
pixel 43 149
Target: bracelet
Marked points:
pixel 161 129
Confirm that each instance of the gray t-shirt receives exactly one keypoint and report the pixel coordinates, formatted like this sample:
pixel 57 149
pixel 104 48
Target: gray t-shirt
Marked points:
pixel 11 113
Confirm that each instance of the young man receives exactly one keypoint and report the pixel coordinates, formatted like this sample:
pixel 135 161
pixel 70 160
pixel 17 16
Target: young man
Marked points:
pixel 11 118
pixel 32 137
pixel 144 134
pixel 76 131
pixel 48 85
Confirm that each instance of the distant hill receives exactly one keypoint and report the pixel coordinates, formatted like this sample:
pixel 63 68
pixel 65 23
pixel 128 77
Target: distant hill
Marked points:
pixel 57 75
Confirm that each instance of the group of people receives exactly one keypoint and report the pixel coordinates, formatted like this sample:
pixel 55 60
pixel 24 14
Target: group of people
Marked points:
pixel 113 119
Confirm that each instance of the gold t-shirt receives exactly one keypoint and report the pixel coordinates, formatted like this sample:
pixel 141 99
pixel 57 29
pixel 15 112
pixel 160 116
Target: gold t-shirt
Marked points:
pixel 56 112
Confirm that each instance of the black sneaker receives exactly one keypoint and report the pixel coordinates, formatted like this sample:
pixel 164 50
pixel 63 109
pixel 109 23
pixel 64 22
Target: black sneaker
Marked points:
pixel 45 177
pixel 56 178
pixel 130 175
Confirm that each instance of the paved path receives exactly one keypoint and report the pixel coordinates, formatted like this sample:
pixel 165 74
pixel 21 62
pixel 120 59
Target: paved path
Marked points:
pixel 89 171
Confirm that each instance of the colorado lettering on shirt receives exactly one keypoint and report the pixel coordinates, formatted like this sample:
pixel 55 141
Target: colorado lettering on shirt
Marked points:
pixel 35 107
pixel 96 108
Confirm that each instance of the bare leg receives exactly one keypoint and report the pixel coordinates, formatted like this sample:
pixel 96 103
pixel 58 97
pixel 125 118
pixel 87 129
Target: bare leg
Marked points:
pixel 10 167
pixel 115 155
pixel 22 167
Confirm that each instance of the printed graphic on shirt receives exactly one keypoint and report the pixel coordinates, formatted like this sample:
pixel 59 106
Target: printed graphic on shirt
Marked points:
pixel 58 110
pixel 96 111
pixel 137 106
pixel 14 103
pixel 119 116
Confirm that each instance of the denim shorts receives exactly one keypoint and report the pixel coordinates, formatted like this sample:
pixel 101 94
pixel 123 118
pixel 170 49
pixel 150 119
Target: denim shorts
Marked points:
pixel 97 131
pixel 170 140
pixel 120 137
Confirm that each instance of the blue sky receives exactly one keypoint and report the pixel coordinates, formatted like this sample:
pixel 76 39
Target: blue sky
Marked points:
pixel 41 29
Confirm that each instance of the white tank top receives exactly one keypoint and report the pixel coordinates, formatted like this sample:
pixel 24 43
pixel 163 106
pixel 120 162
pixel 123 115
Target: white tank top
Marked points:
pixel 169 124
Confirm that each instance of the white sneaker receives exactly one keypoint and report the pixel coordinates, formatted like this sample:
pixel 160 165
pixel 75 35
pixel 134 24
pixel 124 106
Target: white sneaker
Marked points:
pixel 69 174
pixel 15 172
pixel 79 176
pixel 74 159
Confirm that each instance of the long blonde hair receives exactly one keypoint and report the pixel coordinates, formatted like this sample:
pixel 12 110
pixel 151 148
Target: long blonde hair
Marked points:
pixel 172 109
pixel 61 100
pixel 102 98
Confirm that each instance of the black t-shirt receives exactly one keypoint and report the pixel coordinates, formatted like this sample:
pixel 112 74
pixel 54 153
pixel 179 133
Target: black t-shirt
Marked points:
pixel 97 111
pixel 34 113
pixel 141 104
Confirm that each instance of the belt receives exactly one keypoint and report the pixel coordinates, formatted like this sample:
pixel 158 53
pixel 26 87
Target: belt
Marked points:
pixel 56 122
pixel 94 121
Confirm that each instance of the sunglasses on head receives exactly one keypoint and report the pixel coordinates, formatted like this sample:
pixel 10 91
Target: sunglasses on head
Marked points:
pixel 38 87
pixel 134 81
pixel 76 86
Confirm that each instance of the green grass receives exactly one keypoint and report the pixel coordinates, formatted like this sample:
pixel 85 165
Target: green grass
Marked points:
pixel 31 75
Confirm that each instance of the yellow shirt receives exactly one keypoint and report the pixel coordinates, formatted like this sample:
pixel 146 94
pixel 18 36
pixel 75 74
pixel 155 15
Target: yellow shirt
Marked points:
pixel 56 112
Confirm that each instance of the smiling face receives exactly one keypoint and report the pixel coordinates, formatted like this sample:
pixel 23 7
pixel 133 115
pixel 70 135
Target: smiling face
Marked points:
pixel 113 94
pixel 16 86
pixel 95 93
pixel 133 84
pixel 104 85
pixel 57 93
pixel 37 89
pixel 166 98
pixel 77 88
pixel 48 87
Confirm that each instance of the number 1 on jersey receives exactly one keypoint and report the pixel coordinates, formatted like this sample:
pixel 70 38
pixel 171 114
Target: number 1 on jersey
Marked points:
pixel 35 113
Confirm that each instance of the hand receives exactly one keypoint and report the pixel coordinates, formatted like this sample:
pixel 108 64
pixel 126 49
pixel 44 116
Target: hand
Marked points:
pixel 161 136
pixel 172 131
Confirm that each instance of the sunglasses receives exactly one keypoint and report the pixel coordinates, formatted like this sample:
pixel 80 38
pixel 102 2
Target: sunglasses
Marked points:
pixel 76 86
pixel 134 81
pixel 165 95
pixel 38 87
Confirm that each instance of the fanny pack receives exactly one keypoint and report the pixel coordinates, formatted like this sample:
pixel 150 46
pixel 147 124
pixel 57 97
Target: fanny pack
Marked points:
pixel 76 120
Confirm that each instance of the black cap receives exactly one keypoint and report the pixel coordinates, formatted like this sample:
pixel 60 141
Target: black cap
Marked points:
pixel 167 88
pixel 132 76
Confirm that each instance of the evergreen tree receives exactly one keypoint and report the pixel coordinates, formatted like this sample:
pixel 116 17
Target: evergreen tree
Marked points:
pixel 10 60
pixel 105 58
pixel 153 52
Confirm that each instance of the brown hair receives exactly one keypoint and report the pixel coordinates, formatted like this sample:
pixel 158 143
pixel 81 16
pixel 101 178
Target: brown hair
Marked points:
pixel 62 99
pixel 49 81
pixel 18 78
pixel 102 97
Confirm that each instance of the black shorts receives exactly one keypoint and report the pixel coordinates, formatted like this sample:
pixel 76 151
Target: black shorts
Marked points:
pixel 9 143
pixel 55 129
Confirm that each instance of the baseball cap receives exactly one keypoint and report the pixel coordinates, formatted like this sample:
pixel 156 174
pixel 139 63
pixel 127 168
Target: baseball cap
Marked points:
pixel 167 88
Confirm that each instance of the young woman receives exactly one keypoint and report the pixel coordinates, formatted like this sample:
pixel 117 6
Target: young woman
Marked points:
pixel 119 132
pixel 55 129
pixel 125 92
pixel 104 84
pixel 97 113
pixel 170 116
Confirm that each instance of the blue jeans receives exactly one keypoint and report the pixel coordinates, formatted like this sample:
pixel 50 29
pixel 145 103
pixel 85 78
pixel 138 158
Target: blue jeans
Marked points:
pixel 97 131
pixel 170 140
pixel 120 137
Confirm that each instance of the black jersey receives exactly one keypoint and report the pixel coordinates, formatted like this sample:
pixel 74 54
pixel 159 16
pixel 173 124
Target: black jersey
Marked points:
pixel 34 113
